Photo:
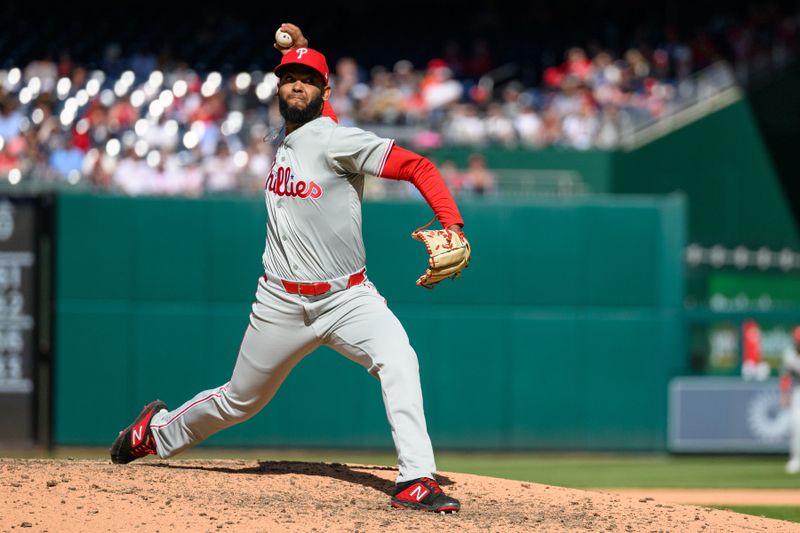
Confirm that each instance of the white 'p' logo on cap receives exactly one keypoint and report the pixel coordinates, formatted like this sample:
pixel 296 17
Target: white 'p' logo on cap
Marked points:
pixel 300 52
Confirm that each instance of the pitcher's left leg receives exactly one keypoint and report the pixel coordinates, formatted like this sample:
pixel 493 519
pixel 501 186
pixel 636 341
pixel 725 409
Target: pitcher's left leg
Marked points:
pixel 365 330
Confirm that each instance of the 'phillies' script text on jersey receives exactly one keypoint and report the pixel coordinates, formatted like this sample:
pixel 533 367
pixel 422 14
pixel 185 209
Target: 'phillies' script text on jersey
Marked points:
pixel 281 182
pixel 313 197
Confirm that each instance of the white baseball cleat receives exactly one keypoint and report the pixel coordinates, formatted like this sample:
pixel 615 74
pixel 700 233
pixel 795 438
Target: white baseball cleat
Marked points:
pixel 793 466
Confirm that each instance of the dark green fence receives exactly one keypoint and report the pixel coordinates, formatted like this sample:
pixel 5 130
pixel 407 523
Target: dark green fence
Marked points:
pixel 562 334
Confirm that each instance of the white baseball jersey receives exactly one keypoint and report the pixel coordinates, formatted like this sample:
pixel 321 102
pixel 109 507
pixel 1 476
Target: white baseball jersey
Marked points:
pixel 314 200
pixel 791 362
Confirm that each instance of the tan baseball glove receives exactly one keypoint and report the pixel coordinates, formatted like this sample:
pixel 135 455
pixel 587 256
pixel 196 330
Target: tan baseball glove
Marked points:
pixel 448 254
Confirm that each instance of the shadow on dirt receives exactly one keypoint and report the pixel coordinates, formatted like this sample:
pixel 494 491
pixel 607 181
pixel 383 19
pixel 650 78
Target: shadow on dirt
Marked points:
pixel 358 474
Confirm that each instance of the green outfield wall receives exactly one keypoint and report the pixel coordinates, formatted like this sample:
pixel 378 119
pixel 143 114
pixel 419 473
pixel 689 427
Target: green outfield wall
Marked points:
pixel 562 334
pixel 722 164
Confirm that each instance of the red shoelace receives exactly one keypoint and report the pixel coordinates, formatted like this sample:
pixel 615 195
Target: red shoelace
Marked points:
pixel 431 484
pixel 146 447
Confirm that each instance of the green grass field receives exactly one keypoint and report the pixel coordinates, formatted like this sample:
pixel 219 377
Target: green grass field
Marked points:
pixel 791 514
pixel 566 470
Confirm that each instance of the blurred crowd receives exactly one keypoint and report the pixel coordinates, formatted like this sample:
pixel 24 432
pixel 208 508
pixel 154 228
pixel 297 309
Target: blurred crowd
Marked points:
pixel 145 124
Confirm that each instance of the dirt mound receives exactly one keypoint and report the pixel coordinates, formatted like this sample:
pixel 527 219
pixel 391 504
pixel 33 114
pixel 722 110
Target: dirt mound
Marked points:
pixel 183 495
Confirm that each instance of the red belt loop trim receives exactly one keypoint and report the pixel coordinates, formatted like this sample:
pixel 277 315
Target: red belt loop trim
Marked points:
pixel 356 279
pixel 321 287
pixel 306 289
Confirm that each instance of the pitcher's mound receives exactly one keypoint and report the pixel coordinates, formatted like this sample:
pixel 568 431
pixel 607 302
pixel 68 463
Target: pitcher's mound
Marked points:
pixel 153 495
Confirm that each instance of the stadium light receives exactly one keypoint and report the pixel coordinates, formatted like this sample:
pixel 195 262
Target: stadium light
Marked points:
pixel 93 87
pixel 63 87
pixel 243 81
pixel 113 147
pixel 14 176
pixel 180 88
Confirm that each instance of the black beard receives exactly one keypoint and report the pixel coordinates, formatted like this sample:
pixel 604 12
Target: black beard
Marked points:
pixel 300 116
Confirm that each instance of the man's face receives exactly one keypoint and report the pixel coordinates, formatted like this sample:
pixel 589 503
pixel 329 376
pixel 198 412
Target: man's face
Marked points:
pixel 301 93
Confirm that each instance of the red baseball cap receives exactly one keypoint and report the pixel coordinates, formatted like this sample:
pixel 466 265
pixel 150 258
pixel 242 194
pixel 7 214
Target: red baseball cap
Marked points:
pixel 304 56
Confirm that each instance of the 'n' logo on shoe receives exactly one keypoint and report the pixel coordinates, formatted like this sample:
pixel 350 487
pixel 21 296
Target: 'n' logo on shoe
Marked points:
pixel 138 432
pixel 419 492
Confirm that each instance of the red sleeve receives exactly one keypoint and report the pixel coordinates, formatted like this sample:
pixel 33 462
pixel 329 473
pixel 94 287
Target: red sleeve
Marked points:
pixel 785 383
pixel 402 164
pixel 327 111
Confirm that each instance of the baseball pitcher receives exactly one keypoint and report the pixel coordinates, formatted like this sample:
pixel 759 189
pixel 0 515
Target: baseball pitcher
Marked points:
pixel 790 398
pixel 315 290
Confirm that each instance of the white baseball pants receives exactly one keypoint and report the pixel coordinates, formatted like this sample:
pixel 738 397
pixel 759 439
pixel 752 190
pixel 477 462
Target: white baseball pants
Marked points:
pixel 283 329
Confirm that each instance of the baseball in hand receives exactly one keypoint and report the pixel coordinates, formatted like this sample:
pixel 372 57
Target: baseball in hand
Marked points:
pixel 283 39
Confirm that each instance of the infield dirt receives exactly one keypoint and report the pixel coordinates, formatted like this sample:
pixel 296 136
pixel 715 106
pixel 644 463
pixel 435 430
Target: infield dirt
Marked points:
pixel 276 496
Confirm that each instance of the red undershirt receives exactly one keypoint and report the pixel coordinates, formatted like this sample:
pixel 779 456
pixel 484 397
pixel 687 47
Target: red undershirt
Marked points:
pixel 405 165
pixel 327 111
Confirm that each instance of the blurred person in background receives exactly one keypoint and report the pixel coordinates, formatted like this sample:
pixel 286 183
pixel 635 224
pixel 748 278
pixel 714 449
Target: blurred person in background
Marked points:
pixel 568 98
pixel 210 113
pixel 132 174
pixel 221 173
pixel 513 98
pixel 638 65
pixel 577 64
pixel 408 81
pixel 158 135
pixel 173 177
pixel 98 168
pixel 551 127
pixel 478 179
pixel 65 63
pixel 607 135
pixel 65 158
pixel 122 115
pixel 465 126
pixel 10 118
pixel 95 124
pixel 45 69
pixel 386 99
pixel 580 128
pixel 500 127
pixel 78 79
pixel 348 91
pixel 8 160
pixel 193 176
pixel 259 161
pixel 604 71
pixel 679 53
pixel 45 124
pixel 790 398
pixel 530 127
pixel 34 158
pixel 453 177
pixel 439 89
